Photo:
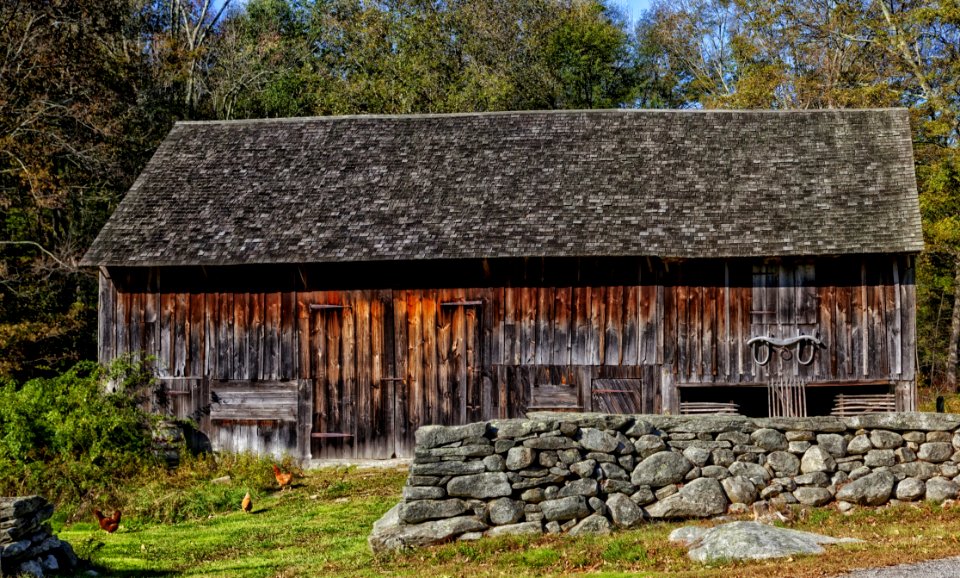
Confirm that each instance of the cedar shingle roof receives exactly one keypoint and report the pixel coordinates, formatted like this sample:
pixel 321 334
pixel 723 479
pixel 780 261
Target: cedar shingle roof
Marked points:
pixel 521 184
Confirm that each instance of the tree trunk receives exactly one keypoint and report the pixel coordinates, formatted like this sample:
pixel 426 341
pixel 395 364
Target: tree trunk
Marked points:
pixel 954 329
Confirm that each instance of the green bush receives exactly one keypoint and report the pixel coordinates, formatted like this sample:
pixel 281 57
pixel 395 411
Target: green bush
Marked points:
pixel 73 439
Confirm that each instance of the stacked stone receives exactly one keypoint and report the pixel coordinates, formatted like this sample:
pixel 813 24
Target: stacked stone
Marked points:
pixel 590 473
pixel 27 544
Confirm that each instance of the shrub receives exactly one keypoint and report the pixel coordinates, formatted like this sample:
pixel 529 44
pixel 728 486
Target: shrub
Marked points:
pixel 73 439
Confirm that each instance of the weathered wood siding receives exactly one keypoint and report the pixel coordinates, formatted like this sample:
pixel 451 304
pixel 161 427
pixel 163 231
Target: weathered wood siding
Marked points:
pixel 370 366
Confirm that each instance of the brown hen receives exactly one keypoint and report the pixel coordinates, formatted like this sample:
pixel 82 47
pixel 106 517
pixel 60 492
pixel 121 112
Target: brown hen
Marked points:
pixel 283 478
pixel 108 525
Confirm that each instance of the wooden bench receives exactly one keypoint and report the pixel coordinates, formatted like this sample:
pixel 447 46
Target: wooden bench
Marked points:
pixel 253 401
pixel 845 404
pixel 708 407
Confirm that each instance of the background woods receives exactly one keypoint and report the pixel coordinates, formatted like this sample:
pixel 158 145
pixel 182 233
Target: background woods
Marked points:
pixel 88 89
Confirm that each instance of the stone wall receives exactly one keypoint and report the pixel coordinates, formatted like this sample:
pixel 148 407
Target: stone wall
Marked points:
pixel 590 473
pixel 27 545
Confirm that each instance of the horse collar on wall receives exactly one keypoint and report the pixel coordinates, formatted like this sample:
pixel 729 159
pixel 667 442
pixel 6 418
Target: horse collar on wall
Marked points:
pixel 763 345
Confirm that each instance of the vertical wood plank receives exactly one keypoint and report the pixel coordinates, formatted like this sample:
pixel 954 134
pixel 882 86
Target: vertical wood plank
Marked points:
pixel 224 336
pixel 255 334
pixel 390 383
pixel 348 371
pixel 908 323
pixel 683 333
pixel 894 325
pixel 528 326
pixel 289 344
pixel 181 334
pixel 580 326
pixel 860 307
pixel 545 325
pixel 195 367
pixel 270 368
pixel 432 389
pixel 595 344
pixel 512 321
pixel 562 334
pixel 240 332
pixel 211 321
pixel 404 429
pixel 631 319
pixel 489 399
pixel 459 367
pixel 415 359
pixel 613 326
pixel 472 341
pixel 106 319
pixel 378 418
pixel 364 439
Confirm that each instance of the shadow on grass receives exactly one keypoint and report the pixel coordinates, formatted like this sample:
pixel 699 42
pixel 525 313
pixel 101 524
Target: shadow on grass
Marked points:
pixel 104 571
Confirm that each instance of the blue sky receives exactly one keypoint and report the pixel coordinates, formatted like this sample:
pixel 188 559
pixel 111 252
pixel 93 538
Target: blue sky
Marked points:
pixel 633 7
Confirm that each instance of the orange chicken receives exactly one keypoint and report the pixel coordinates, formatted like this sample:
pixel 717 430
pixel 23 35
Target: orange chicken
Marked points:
pixel 108 525
pixel 283 478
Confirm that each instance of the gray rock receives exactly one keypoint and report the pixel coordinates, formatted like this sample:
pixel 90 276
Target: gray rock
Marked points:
pixel 878 458
pixel 594 524
pixel 494 463
pixel 915 437
pixel 938 436
pixel 523 528
pixel 904 421
pixel 569 508
pixel 486 485
pixel 661 469
pixel 885 440
pixel 533 496
pixel 919 470
pixel 595 440
pixel 860 472
pixel 31 568
pixel 723 457
pixel 639 428
pixel 519 458
pixel 627 462
pixel 648 445
pixel 585 468
pixel 955 440
pixel 817 459
pixel 859 445
pixel 665 491
pixel 624 512
pixel 754 472
pixel 617 486
pixel 769 439
pixel 718 472
pixel 798 447
pixel 582 487
pixel 569 456
pixel 749 541
pixel 812 496
pixel 949 470
pixel 910 489
pixel 389 534
pixel 835 444
pixel 784 463
pixel 905 455
pixel 422 510
pixel 643 496
pixel 820 479
pixel 734 437
pixel 423 493
pixel 700 498
pixel 697 456
pixel 739 490
pixel 800 436
pixel 464 451
pixel 548 459
pixel 940 489
pixel 504 511
pixel 935 452
pixel 614 472
pixel 552 527
pixel 549 443
pixel 447 468
pixel 597 505
pixel 432 436
pixel 870 490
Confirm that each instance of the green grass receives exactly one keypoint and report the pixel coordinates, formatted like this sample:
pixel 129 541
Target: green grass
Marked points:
pixel 320 528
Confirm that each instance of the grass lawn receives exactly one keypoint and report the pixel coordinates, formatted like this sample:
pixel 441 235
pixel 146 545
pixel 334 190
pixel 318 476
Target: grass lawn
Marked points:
pixel 320 527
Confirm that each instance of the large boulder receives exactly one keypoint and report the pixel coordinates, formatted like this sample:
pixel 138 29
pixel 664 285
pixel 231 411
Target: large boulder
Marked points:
pixel 769 439
pixel 504 511
pixel 661 469
pixel 592 524
pixel 817 459
pixel 390 534
pixel 749 541
pixel 940 489
pixel 870 490
pixel 700 498
pixel 739 490
pixel 594 440
pixel 784 463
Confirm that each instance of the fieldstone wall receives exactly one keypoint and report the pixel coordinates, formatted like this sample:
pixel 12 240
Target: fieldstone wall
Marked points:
pixel 590 473
pixel 27 545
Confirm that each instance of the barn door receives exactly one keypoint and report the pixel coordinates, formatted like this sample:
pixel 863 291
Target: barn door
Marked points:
pixel 332 336
pixel 621 396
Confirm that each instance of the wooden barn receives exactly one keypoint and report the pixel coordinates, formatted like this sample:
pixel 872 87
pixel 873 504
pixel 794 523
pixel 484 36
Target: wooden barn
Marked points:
pixel 324 286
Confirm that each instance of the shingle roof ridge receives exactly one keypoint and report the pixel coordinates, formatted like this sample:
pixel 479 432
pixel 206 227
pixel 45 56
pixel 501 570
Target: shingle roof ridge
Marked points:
pixel 493 113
